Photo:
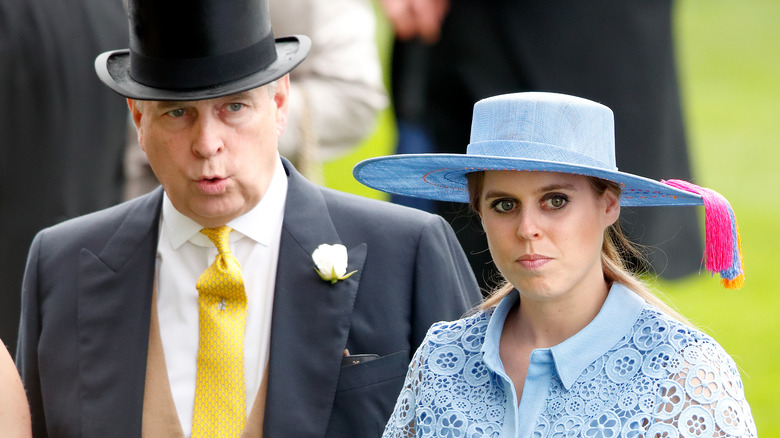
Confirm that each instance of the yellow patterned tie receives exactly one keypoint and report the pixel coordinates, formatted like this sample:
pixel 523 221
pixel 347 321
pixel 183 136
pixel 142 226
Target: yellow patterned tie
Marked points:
pixel 220 400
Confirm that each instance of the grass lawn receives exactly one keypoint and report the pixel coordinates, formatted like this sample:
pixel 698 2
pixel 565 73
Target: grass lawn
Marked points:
pixel 729 55
pixel 729 60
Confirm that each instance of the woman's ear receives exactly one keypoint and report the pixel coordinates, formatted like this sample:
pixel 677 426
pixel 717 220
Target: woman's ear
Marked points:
pixel 477 210
pixel 611 208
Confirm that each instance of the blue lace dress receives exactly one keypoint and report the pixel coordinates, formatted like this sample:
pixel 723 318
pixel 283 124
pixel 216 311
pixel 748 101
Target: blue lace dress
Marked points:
pixel 632 372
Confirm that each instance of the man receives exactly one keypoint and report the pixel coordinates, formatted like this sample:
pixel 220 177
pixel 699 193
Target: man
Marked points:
pixel 154 319
pixel 338 92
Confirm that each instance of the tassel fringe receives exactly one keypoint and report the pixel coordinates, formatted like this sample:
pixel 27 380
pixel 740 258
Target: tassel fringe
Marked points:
pixel 723 244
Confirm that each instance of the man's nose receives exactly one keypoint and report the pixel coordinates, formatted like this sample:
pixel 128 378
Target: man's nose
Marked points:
pixel 207 137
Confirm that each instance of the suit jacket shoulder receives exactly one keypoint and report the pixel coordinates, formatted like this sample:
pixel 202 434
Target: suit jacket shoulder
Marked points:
pixel 86 300
pixel 94 230
pixel 346 208
pixel 409 273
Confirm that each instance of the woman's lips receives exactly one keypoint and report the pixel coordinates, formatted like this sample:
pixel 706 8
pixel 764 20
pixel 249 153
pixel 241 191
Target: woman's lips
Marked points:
pixel 533 261
pixel 212 186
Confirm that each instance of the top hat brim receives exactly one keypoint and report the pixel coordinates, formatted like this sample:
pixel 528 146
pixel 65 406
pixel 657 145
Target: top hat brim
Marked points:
pixel 113 68
pixel 443 177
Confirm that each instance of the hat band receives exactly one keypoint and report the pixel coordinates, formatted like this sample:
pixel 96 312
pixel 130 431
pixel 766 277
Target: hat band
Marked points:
pixel 183 74
pixel 528 150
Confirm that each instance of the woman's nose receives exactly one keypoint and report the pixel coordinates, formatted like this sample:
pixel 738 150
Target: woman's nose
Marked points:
pixel 528 228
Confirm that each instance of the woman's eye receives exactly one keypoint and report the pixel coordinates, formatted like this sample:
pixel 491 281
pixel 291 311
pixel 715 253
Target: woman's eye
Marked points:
pixel 503 205
pixel 556 201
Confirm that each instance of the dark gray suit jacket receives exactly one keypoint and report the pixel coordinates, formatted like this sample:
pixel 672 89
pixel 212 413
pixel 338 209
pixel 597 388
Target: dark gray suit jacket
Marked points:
pixel 87 298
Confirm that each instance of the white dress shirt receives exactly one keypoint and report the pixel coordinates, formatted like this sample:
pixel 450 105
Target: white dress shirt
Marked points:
pixel 183 253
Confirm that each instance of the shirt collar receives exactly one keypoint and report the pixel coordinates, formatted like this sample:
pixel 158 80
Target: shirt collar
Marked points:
pixel 490 347
pixel 572 356
pixel 616 317
pixel 259 224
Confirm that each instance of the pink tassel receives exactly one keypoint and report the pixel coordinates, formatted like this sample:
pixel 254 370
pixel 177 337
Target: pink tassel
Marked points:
pixel 723 246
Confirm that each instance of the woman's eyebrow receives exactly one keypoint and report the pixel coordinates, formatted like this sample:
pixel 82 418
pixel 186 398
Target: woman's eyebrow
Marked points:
pixel 494 193
pixel 497 194
pixel 557 186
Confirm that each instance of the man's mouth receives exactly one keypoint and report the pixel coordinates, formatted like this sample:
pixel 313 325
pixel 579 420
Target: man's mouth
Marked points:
pixel 212 185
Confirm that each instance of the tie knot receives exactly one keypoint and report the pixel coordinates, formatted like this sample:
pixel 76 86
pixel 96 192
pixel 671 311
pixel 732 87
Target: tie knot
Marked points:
pixel 219 236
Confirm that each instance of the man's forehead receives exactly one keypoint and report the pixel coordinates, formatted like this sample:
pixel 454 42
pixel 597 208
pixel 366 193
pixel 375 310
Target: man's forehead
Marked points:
pixel 165 104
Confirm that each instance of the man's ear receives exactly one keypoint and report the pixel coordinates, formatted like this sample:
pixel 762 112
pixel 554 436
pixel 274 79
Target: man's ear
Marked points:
pixel 132 104
pixel 137 112
pixel 282 101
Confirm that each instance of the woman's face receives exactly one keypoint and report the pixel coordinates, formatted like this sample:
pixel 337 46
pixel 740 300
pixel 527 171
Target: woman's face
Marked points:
pixel 545 231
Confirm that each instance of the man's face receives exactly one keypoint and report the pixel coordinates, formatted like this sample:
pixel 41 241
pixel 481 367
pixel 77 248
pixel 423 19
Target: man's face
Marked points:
pixel 214 158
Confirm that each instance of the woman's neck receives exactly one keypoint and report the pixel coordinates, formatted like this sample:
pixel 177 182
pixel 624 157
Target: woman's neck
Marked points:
pixel 533 324
pixel 544 324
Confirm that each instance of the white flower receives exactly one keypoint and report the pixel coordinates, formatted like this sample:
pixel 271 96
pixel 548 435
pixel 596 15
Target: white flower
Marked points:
pixel 331 262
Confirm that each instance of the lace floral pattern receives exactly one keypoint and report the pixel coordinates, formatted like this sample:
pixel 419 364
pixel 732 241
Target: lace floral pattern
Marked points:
pixel 662 379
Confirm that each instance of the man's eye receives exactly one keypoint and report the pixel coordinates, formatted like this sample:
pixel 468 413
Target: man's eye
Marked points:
pixel 235 106
pixel 178 112
pixel 503 205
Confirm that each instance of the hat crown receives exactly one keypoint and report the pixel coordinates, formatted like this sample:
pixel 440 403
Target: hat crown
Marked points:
pixel 544 126
pixel 186 44
pixel 179 29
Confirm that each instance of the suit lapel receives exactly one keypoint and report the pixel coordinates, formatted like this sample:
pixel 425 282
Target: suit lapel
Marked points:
pixel 310 326
pixel 311 318
pixel 114 303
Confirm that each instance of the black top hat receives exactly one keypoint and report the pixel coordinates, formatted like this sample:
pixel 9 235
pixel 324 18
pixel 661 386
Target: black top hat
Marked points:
pixel 198 49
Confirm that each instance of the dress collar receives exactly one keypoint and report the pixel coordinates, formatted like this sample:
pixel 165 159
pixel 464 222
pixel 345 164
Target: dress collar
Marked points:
pixel 259 224
pixel 572 356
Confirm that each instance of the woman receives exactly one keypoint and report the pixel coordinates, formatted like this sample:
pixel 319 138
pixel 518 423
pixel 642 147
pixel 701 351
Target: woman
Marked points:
pixel 574 344
pixel 14 413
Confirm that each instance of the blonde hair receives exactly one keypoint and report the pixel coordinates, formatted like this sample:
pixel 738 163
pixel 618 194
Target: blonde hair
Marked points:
pixel 617 253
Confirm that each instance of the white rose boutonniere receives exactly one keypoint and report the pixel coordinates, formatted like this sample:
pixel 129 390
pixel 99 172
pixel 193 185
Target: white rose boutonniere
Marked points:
pixel 331 262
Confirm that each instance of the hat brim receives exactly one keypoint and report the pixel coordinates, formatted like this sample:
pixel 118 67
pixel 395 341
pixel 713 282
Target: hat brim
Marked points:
pixel 443 177
pixel 113 68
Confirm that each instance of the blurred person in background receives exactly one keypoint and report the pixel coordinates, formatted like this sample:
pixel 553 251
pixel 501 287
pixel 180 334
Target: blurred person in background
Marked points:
pixel 62 132
pixel 451 53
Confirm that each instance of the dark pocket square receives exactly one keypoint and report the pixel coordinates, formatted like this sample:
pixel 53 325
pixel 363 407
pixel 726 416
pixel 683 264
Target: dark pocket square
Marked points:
pixel 382 369
pixel 354 359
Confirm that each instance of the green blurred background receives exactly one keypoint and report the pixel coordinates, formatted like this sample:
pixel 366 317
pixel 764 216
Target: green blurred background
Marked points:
pixel 729 62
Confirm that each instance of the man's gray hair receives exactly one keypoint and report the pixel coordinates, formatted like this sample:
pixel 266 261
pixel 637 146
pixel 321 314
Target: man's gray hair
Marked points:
pixel 272 88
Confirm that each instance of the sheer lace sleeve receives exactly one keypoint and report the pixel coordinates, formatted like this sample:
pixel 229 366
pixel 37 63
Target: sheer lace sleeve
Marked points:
pixel 661 380
pixel 402 422
pixel 705 397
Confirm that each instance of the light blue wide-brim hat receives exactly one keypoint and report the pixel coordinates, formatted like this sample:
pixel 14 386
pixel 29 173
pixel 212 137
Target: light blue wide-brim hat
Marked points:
pixel 548 132
pixel 532 131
